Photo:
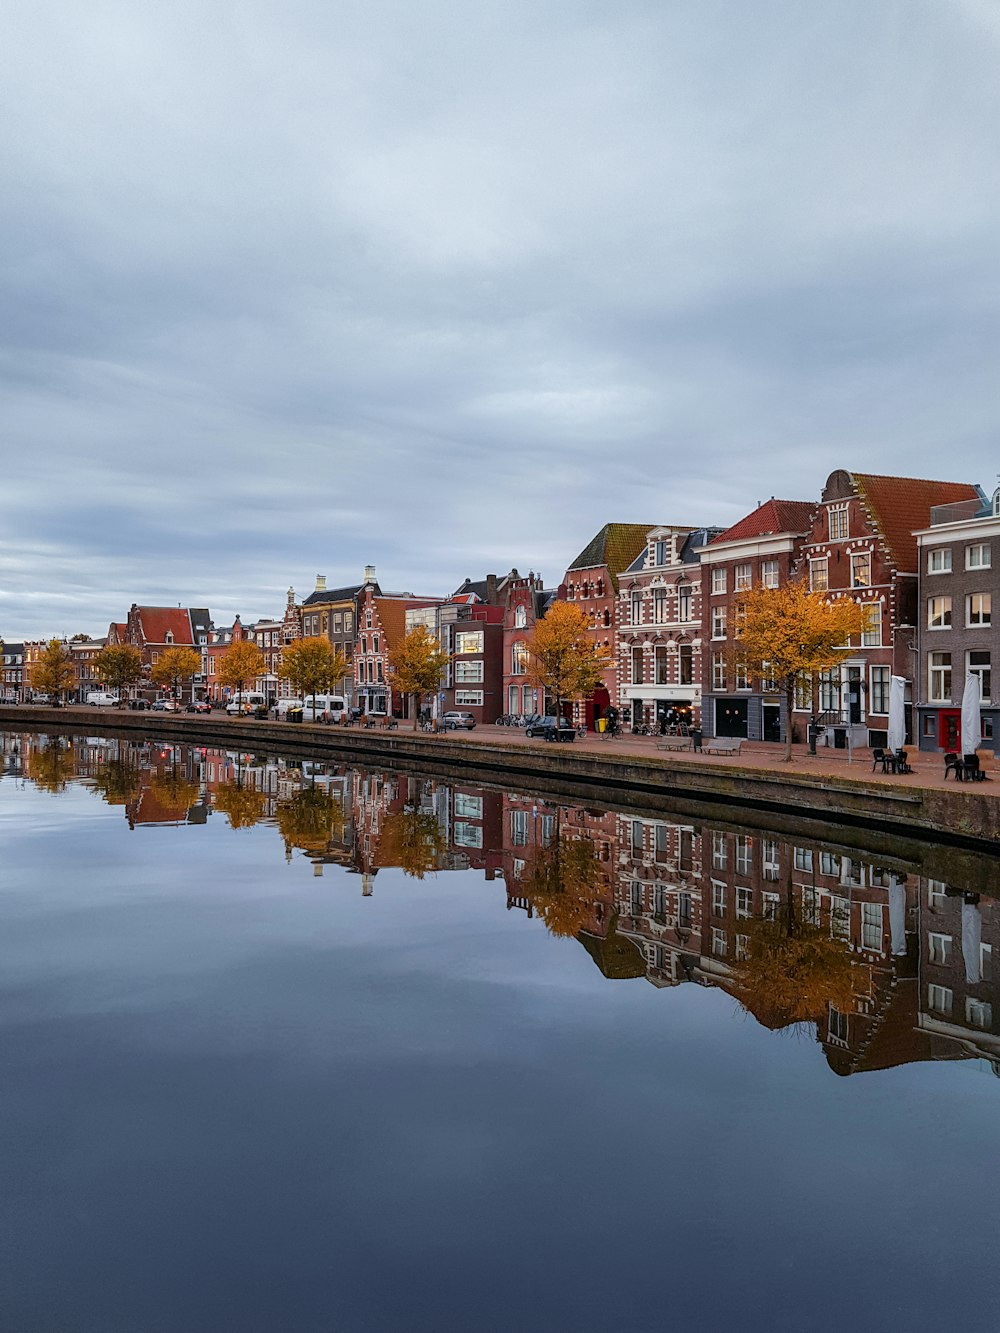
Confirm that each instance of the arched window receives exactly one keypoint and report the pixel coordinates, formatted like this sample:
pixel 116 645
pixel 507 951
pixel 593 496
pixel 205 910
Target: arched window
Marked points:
pixel 520 617
pixel 996 501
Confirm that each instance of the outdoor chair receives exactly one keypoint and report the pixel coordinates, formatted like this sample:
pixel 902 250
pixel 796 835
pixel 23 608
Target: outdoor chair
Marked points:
pixel 901 765
pixel 973 769
pixel 951 765
pixel 880 757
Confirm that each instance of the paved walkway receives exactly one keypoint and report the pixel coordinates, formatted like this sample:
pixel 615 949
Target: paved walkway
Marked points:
pixel 929 768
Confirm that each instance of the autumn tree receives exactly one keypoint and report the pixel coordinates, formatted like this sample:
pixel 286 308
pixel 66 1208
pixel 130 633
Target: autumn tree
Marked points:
pixel 241 662
pixel 314 666
pixel 412 839
pixel 562 660
pixel 792 969
pixel 416 665
pixel 175 791
pixel 51 766
pixel 118 780
pixel 564 879
pixel 118 666
pixel 308 821
pixel 54 672
pixel 175 665
pixel 242 805
pixel 788 632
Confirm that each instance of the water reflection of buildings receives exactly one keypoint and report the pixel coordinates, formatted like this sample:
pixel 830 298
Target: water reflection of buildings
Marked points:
pixel 893 966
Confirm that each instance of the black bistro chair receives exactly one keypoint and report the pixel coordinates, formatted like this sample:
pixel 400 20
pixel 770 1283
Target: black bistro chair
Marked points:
pixel 973 768
pixel 879 756
pixel 901 765
pixel 952 765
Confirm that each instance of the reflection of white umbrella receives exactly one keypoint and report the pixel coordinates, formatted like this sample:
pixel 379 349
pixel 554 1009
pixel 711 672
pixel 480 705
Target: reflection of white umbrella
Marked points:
pixel 897 915
pixel 897 712
pixel 972 731
pixel 972 940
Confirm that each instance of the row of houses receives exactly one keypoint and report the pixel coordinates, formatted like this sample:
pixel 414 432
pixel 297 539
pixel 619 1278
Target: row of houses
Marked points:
pixel 676 903
pixel 660 602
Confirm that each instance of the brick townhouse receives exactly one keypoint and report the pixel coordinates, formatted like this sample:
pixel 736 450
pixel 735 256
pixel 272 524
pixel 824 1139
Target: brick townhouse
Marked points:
pixel 154 629
pixel 591 583
pixel 332 613
pixel 761 550
pixel 659 628
pixel 381 626
pixel 959 555
pixel 526 601
pixel 860 544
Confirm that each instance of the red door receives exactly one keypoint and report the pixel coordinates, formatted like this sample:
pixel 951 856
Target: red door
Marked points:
pixel 950 731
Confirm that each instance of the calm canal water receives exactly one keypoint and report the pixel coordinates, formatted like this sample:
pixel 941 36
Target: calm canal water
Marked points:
pixel 292 1047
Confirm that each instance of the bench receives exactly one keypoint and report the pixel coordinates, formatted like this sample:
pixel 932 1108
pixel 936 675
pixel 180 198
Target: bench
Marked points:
pixel 721 744
pixel 674 743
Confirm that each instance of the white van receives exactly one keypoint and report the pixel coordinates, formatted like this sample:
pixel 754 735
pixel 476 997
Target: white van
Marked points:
pixel 246 703
pixel 328 707
pixel 101 699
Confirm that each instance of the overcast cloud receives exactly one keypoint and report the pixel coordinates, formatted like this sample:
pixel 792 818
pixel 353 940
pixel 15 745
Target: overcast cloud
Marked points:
pixel 292 288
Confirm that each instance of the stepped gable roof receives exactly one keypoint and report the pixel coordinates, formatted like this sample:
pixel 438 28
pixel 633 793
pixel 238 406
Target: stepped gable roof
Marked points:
pixel 770 518
pixel 613 548
pixel 157 621
pixel 334 594
pixel 898 506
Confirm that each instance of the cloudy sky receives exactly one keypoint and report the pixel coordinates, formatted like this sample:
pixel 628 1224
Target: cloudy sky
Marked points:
pixel 292 288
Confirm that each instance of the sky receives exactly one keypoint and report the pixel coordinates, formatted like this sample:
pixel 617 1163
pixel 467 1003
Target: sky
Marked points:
pixel 288 289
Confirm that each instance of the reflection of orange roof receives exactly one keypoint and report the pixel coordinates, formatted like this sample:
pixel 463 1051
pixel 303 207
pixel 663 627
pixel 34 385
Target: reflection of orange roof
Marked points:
pixel 768 519
pixel 158 621
pixel 900 505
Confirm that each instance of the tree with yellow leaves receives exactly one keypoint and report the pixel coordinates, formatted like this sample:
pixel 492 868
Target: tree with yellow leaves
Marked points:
pixel 788 632
pixel 243 806
pixel 314 666
pixel 117 666
pixel 239 664
pixel 564 880
pixel 411 839
pixel 175 665
pixel 309 819
pixel 562 660
pixel 416 665
pixel 54 672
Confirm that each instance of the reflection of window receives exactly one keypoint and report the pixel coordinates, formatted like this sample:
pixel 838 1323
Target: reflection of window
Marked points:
pixel 939 1000
pixel 744 851
pixel 662 836
pixel 467 835
pixel 720 946
pixel 837 1026
pixel 937 894
pixel 468 807
pixel 519 827
pixel 938 949
pixel 742 948
pixel 636 898
pixel 637 837
pixel 810 907
pixel 840 918
pixel 871 926
pixel 769 904
pixel 744 901
pixel 803 859
pixel 829 864
pixel 978 1014
pixel 719 851
pixel 718 899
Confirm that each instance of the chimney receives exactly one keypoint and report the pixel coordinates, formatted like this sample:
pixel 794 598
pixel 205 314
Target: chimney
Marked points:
pixel 369 573
pixel 321 583
pixel 491 589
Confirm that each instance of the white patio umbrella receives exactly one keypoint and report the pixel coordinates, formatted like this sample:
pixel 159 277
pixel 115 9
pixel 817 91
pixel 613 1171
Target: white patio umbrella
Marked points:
pixel 897 712
pixel 972 731
pixel 972 940
pixel 897 914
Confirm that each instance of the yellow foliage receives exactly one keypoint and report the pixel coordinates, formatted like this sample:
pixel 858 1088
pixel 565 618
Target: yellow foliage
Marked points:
pixel 239 664
pixel 55 671
pixel 411 839
pixel 564 881
pixel 308 820
pixel 416 665
pixel 175 665
pixel 243 806
pixel 562 660
pixel 313 665
pixel 118 665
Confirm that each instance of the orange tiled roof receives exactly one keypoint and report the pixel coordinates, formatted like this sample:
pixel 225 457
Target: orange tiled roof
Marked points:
pixel 900 505
pixel 157 620
pixel 770 518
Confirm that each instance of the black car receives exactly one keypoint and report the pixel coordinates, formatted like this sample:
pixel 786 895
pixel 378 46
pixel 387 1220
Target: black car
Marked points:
pixel 552 729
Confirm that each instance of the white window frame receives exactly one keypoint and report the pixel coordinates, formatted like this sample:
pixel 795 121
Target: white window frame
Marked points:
pixel 978 610
pixel 719 581
pixel 939 560
pixel 979 556
pixel 819 564
pixel 770 573
pixel 857 557
pixel 743 576
pixel 469 698
pixel 940 678
pixel 939 612
pixel 838 523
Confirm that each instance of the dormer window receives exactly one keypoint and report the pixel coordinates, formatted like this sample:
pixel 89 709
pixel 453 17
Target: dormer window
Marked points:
pixel 169 637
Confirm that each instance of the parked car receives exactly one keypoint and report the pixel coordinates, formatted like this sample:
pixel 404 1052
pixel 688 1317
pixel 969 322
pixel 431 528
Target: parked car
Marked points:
pixel 458 722
pixel 166 706
pixel 199 706
pixel 101 699
pixel 552 728
pixel 139 705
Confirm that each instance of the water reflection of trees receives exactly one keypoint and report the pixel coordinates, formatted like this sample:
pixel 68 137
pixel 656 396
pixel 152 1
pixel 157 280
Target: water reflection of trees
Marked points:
pixel 790 970
pixel 310 819
pixel 51 766
pixel 175 792
pixel 412 839
pixel 243 806
pixel 118 780
pixel 563 881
